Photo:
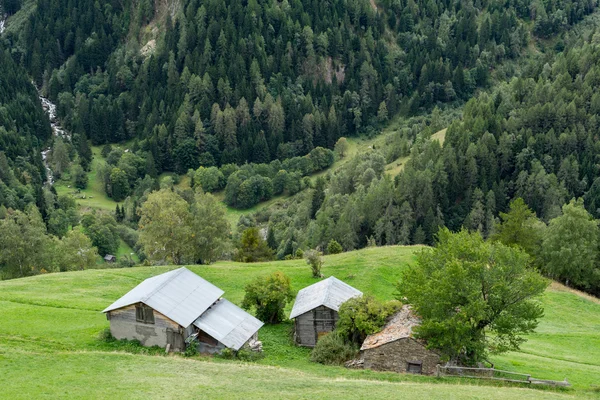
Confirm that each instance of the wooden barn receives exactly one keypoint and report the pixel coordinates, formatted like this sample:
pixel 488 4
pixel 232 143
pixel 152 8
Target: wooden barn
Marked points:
pixel 395 349
pixel 172 309
pixel 315 310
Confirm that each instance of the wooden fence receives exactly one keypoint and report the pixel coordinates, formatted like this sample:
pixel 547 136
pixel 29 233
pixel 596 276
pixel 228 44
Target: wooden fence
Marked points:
pixel 494 374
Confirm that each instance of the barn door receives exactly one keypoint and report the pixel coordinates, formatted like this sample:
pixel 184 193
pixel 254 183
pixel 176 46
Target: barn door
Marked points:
pixel 175 339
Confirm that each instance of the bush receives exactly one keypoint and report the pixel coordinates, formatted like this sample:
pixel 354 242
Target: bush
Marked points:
pixel 242 354
pixel 362 316
pixel 268 295
pixel 314 259
pixel 332 349
pixel 334 247
pixel 192 349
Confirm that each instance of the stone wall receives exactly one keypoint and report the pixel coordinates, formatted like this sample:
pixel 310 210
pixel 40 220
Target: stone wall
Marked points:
pixel 123 325
pixel 395 356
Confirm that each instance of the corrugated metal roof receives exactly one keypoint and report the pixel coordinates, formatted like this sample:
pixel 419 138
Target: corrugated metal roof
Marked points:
pixel 229 324
pixel 330 293
pixel 399 327
pixel 180 295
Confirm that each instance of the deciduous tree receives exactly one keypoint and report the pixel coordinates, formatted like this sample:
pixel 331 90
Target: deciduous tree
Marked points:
pixel 474 297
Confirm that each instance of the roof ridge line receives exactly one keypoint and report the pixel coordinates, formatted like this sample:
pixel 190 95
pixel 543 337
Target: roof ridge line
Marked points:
pixel 327 289
pixel 193 291
pixel 162 285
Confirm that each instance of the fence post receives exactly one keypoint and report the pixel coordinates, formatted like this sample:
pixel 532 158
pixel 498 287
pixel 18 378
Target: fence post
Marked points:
pixel 437 371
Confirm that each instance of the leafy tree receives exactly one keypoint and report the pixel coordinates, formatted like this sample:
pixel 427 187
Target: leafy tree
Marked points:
pixel 361 316
pixel 314 258
pixel 268 295
pixel 210 228
pixel 210 179
pixel 102 231
pixel 520 227
pixel 58 223
pixel 333 247
pixel 341 147
pixel 60 157
pixel 473 296
pixel 570 247
pixel 23 244
pixel 76 252
pixel 119 184
pixel 79 176
pixel 253 247
pixel 165 230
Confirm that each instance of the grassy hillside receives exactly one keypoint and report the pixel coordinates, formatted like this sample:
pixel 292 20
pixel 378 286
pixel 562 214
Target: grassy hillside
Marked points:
pixel 94 196
pixel 51 324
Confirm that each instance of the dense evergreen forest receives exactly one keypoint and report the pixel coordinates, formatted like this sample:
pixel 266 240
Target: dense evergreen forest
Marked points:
pixel 533 138
pixel 24 128
pixel 231 81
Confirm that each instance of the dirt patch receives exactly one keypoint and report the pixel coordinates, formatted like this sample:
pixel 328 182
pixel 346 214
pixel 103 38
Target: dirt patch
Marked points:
pixel 326 70
pixel 557 287
pixel 149 48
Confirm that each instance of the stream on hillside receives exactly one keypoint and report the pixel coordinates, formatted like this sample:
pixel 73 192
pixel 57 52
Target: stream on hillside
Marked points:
pixel 49 109
pixel 3 17
pixel 57 131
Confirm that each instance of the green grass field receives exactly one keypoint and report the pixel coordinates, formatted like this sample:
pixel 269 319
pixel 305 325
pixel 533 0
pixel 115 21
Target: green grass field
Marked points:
pixel 50 345
pixel 94 196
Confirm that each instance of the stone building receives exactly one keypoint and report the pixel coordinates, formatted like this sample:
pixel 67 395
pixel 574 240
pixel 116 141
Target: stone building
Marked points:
pixel 395 349
pixel 178 307
pixel 315 311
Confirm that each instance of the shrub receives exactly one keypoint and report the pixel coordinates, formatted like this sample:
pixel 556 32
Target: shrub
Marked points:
pixel 314 259
pixel 192 349
pixel 332 349
pixel 362 316
pixel 106 336
pixel 268 295
pixel 334 247
pixel 242 354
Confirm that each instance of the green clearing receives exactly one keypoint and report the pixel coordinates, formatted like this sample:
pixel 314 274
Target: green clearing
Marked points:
pixel 397 166
pixel 51 325
pixel 94 196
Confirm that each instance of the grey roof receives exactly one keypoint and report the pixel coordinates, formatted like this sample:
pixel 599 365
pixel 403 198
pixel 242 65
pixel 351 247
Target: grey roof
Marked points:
pixel 229 324
pixel 399 327
pixel 330 293
pixel 180 295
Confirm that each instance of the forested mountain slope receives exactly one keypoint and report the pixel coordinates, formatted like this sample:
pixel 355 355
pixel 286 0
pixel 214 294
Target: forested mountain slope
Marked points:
pixel 216 82
pixel 23 129
pixel 534 138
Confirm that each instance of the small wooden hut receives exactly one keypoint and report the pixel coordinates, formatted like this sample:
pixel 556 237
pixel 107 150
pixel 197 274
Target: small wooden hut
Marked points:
pixel 395 349
pixel 315 310
pixel 177 308
pixel 109 258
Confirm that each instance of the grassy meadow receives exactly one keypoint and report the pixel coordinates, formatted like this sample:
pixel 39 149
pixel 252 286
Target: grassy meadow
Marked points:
pixel 51 326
